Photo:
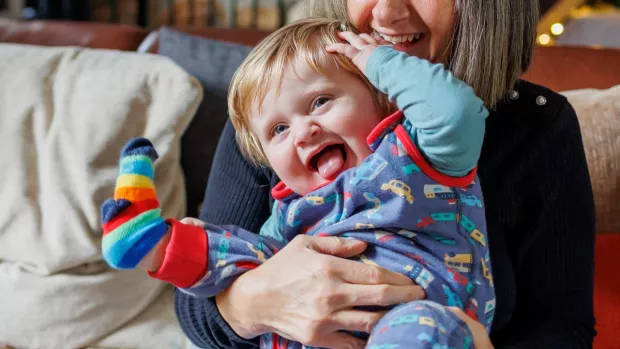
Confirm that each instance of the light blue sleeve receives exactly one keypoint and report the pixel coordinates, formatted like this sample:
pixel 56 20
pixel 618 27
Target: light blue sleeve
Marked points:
pixel 448 118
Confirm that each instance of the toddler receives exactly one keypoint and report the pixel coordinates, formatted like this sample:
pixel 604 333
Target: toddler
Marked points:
pixel 319 112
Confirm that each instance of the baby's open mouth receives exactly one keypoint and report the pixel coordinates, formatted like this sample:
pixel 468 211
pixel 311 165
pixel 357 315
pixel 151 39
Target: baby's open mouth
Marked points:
pixel 330 161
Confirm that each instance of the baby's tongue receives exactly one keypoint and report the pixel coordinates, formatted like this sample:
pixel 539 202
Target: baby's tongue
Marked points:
pixel 330 162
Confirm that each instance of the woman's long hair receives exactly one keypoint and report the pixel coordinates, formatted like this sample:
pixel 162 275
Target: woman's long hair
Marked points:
pixel 492 46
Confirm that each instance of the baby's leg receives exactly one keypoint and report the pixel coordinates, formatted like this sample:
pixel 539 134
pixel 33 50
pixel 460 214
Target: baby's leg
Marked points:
pixel 420 324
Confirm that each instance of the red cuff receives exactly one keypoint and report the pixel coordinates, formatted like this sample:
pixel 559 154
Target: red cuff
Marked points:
pixel 185 261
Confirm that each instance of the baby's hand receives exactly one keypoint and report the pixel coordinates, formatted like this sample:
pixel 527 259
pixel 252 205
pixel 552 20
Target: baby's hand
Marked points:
pixel 358 49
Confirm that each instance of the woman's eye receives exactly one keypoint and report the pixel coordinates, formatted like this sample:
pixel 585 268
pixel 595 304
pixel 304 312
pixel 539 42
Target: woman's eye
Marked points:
pixel 319 102
pixel 279 129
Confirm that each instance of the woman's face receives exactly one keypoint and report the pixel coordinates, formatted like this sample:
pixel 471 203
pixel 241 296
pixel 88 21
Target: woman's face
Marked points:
pixel 421 28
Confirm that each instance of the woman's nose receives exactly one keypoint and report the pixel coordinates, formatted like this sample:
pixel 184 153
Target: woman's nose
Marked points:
pixel 306 133
pixel 386 12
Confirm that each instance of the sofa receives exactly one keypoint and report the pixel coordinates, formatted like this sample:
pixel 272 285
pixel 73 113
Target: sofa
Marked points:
pixel 172 88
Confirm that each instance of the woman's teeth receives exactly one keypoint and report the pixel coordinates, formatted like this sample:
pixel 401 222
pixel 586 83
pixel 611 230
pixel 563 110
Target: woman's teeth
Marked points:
pixel 401 38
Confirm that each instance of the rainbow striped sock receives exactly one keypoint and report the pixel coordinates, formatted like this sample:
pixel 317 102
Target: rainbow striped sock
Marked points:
pixel 132 222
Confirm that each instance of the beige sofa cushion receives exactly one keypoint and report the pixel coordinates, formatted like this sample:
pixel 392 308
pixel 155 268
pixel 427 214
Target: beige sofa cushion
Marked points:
pixel 599 116
pixel 65 114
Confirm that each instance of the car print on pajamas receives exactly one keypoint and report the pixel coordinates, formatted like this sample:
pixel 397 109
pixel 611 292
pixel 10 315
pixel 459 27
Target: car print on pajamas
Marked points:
pixel 373 207
pixel 411 169
pixel 486 273
pixel 383 236
pixel 424 222
pixel 378 346
pixel 359 226
pixel 293 210
pixel 476 235
pixel 223 246
pixel 398 150
pixel 399 188
pixel 443 217
pixel 471 309
pixel 470 201
pixel 452 299
pixel 406 233
pixel 316 200
pixel 489 312
pixel 467 224
pixel 460 262
pixel 432 191
pixel 369 169
pixel 421 275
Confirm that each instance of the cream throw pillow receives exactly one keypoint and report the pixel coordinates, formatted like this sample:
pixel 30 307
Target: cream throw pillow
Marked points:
pixel 599 116
pixel 65 114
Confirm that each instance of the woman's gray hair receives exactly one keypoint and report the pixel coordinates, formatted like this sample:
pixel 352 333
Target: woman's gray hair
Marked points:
pixel 492 45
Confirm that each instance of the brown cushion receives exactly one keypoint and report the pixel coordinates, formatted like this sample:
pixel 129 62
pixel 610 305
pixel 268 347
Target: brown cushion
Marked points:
pixel 85 34
pixel 571 68
pixel 599 116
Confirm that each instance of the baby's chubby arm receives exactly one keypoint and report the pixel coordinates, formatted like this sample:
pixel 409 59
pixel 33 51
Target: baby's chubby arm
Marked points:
pixel 203 259
pixel 448 118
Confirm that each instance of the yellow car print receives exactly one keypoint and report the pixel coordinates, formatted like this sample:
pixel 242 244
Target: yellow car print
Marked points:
pixel 399 188
pixel 315 200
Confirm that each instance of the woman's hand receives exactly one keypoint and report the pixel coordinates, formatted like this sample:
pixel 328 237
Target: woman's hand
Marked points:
pixel 481 338
pixel 307 292
pixel 358 48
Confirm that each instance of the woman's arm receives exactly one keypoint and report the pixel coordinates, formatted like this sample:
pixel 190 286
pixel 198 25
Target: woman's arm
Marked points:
pixel 237 194
pixel 552 250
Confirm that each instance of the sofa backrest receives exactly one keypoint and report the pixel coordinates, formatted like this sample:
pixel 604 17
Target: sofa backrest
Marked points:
pixel 59 33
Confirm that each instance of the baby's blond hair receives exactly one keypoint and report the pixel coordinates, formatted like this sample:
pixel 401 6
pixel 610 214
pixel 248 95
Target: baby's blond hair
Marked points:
pixel 298 44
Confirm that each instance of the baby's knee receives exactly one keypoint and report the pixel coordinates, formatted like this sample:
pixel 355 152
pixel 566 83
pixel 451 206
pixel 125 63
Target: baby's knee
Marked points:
pixel 420 324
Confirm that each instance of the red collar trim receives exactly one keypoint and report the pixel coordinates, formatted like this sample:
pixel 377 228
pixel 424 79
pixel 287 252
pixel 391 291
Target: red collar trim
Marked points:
pixel 414 153
pixel 385 123
pixel 281 191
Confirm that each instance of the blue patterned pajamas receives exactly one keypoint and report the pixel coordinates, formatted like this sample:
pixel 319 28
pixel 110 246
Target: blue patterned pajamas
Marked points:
pixel 416 221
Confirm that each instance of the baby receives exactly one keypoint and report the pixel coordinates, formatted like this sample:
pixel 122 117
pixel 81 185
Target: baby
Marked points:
pixel 319 112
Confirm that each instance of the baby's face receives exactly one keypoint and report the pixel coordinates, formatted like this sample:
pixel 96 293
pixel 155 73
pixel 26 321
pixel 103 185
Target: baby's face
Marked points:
pixel 315 126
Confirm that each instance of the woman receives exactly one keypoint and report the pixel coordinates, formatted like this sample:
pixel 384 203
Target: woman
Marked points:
pixel 539 205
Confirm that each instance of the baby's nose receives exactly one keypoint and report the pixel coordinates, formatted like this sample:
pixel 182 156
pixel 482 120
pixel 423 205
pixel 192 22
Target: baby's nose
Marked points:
pixel 305 133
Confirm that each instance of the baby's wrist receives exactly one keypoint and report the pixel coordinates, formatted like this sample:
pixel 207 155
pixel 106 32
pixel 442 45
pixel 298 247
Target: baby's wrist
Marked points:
pixel 155 258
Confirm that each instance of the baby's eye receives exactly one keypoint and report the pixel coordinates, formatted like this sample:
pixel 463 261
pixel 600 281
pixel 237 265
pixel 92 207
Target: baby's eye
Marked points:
pixel 279 129
pixel 319 102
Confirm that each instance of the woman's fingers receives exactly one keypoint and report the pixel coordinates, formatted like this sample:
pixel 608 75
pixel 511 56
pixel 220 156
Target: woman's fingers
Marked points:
pixel 355 320
pixel 363 274
pixel 331 245
pixel 381 295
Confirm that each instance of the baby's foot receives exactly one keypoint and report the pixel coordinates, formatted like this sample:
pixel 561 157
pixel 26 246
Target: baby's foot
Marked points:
pixel 132 222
